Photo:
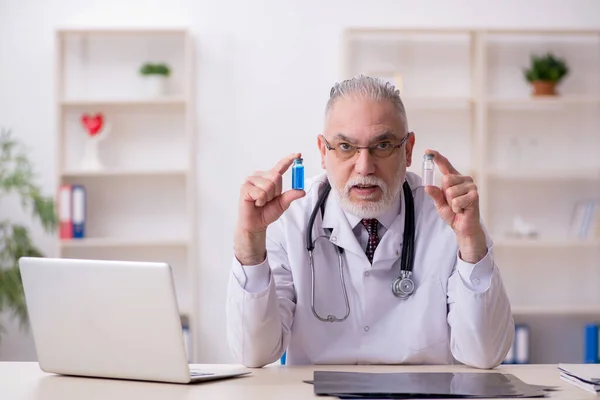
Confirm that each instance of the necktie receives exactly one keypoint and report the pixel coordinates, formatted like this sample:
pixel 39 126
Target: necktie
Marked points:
pixel 371 225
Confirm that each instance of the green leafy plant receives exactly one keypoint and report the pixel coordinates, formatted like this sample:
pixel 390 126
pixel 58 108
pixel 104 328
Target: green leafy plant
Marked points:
pixel 547 68
pixel 155 69
pixel 17 178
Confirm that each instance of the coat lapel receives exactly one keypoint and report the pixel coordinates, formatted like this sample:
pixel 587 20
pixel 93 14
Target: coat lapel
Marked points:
pixel 335 219
pixel 390 245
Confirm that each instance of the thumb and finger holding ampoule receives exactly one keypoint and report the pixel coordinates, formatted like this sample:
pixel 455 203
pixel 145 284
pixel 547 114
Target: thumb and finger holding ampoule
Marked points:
pixel 262 196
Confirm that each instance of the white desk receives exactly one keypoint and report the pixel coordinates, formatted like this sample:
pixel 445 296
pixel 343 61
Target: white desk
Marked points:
pixel 25 381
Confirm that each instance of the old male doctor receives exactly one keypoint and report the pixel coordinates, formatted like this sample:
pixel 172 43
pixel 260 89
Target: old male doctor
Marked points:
pixel 458 310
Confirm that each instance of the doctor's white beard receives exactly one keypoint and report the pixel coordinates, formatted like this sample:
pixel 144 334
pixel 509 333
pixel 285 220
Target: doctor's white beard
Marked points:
pixel 368 209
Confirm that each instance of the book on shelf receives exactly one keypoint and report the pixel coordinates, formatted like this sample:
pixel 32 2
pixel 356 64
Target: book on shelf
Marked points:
pixel 65 221
pixel 585 220
pixel 519 351
pixel 71 206
pixel 187 340
pixel 591 345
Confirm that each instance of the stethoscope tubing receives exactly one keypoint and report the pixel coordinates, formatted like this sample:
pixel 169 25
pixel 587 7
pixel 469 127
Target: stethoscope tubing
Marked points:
pixel 402 286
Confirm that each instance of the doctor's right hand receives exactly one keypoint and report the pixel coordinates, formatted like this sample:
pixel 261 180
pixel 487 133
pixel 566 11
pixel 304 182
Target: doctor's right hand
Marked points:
pixel 261 203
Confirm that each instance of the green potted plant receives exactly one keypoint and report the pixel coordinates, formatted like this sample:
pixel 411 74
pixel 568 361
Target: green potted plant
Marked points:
pixel 17 178
pixel 544 73
pixel 155 77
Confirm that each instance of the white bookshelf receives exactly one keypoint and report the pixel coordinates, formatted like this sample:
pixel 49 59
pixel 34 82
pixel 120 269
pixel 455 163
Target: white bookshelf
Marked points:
pixel 141 205
pixel 534 157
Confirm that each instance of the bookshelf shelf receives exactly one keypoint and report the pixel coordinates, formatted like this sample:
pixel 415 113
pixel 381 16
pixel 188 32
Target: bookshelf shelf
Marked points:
pixel 442 103
pixel 120 32
pixel 124 102
pixel 140 203
pixel 125 173
pixel 123 242
pixel 538 175
pixel 592 311
pixel 543 102
pixel 547 244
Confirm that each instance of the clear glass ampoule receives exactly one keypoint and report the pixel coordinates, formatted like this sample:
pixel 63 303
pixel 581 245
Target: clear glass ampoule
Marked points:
pixel 428 170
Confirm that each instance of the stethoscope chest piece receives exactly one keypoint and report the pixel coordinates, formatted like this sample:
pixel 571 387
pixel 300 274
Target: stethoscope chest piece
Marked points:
pixel 403 286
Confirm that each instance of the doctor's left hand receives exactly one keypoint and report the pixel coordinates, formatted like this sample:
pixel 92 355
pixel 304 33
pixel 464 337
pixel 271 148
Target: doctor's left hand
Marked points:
pixel 457 203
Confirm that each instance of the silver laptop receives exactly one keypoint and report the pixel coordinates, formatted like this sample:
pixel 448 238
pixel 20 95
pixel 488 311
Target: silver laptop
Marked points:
pixel 110 319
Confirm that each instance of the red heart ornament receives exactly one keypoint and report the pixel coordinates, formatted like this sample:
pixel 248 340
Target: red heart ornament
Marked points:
pixel 93 124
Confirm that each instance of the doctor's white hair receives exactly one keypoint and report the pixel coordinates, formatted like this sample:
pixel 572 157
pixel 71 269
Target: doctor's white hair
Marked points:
pixel 369 87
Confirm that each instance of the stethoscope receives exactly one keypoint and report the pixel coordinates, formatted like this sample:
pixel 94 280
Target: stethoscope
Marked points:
pixel 402 287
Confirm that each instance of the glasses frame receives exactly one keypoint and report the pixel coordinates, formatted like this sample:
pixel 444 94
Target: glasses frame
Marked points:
pixel 371 149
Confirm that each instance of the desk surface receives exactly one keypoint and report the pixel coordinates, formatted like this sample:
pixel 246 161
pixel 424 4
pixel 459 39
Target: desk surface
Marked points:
pixel 25 381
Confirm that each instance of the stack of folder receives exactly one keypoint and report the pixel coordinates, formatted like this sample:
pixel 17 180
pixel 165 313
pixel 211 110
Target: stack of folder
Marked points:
pixel 358 385
pixel 71 211
pixel 584 376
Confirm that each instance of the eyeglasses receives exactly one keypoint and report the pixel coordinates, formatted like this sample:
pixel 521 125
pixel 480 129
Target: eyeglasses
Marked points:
pixel 345 151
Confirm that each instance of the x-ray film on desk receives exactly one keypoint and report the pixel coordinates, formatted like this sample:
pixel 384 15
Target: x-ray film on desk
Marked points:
pixel 350 385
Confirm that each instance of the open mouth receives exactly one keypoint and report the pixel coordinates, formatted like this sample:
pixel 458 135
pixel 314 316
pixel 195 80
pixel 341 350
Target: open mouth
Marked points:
pixel 365 189
pixel 365 186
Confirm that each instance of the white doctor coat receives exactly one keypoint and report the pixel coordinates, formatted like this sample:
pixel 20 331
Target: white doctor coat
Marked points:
pixel 458 311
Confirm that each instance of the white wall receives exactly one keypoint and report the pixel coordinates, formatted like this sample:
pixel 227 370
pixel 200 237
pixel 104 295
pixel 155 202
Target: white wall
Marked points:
pixel 264 71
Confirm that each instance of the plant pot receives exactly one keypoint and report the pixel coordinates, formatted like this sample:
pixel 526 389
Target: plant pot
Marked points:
pixel 154 85
pixel 544 88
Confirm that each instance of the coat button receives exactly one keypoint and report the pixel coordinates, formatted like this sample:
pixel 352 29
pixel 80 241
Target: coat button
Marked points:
pixel 334 239
pixel 367 273
pixel 367 329
pixel 476 281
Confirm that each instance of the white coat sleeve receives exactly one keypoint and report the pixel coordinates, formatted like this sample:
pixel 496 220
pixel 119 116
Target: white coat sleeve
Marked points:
pixel 480 316
pixel 259 315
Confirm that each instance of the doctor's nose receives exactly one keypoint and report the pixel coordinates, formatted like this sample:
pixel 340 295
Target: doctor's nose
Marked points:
pixel 365 163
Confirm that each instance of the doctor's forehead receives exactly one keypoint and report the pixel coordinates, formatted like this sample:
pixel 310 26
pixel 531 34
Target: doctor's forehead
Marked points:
pixel 361 118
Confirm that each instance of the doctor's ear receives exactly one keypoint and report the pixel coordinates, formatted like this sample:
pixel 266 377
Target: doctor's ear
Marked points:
pixel 410 145
pixel 322 149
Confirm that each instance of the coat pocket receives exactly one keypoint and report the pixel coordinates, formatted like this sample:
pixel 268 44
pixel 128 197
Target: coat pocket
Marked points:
pixel 428 319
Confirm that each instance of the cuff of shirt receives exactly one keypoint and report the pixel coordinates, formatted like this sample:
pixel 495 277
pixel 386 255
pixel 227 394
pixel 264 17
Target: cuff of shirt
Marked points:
pixel 477 277
pixel 252 278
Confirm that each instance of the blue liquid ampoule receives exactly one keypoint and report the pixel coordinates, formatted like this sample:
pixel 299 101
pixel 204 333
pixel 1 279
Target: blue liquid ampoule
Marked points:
pixel 298 174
